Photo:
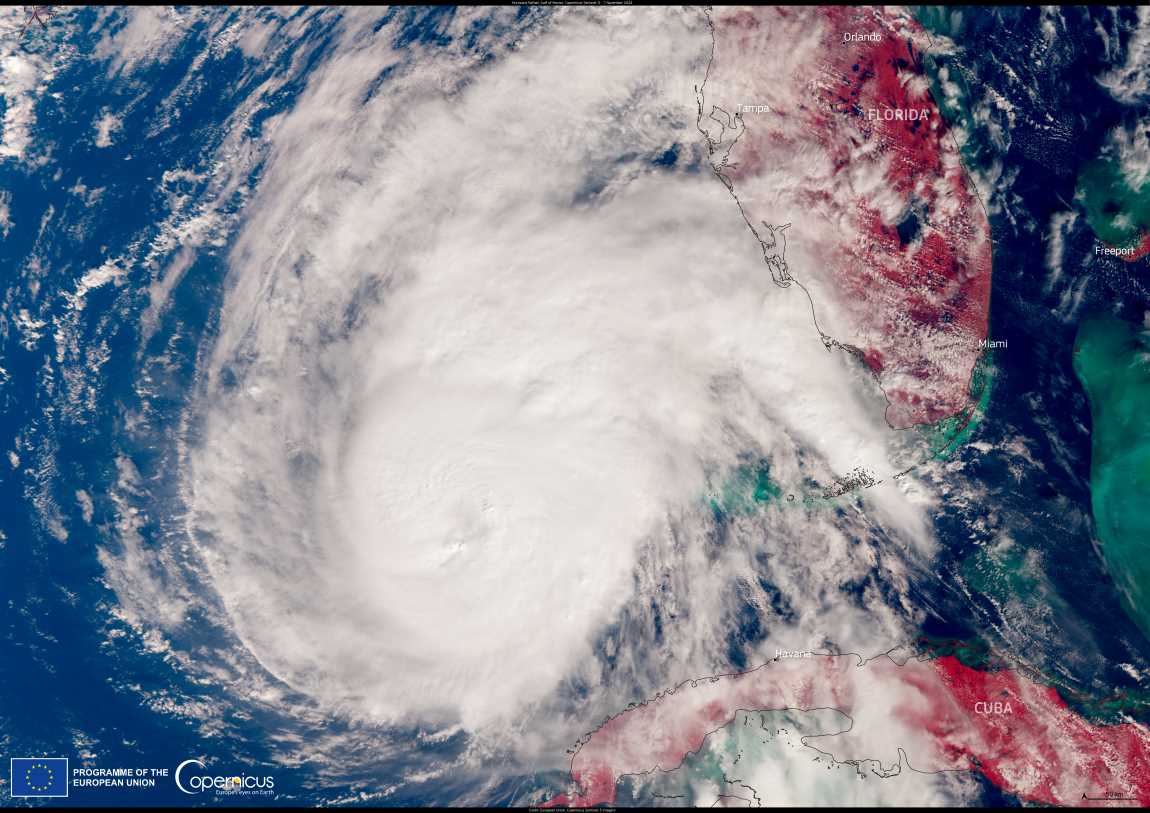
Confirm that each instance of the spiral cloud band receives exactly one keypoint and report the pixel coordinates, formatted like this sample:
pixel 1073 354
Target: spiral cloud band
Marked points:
pixel 451 397
pixel 572 405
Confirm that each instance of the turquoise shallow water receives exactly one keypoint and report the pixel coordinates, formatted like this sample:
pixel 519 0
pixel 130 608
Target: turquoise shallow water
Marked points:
pixel 98 384
pixel 1112 359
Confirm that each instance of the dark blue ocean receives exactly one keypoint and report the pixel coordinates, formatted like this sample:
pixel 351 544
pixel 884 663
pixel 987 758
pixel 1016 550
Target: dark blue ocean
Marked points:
pixel 95 381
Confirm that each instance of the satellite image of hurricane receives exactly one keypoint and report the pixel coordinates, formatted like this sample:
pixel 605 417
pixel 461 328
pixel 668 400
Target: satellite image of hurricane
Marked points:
pixel 575 406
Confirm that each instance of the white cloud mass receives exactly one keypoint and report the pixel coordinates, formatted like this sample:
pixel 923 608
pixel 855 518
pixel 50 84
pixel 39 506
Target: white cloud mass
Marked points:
pixel 480 370
pixel 478 350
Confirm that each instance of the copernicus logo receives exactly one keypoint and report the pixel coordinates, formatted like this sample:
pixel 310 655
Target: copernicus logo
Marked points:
pixel 38 776
pixel 191 778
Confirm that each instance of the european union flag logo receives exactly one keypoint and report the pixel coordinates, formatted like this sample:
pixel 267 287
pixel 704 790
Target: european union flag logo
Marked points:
pixel 39 776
